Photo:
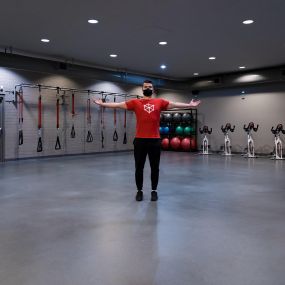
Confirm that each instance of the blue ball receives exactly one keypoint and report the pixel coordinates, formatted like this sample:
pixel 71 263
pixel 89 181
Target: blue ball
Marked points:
pixel 161 130
pixel 166 130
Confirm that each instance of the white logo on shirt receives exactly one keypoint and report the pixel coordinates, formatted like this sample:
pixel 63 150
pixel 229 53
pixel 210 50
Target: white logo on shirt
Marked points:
pixel 148 108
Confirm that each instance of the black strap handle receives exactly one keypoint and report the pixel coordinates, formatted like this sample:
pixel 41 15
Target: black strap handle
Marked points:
pixel 89 137
pixel 57 144
pixel 72 133
pixel 115 136
pixel 21 138
pixel 40 145
pixel 125 138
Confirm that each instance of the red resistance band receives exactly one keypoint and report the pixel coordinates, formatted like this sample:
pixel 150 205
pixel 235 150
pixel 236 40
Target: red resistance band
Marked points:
pixel 73 106
pixel 102 115
pixel 57 144
pixel 20 115
pixel 72 133
pixel 88 112
pixel 125 126
pixel 57 113
pixel 125 119
pixel 102 122
pixel 115 136
pixel 20 106
pixel 40 112
pixel 115 114
pixel 40 145
pixel 89 134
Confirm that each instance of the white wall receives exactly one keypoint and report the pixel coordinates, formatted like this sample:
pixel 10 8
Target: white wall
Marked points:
pixel 263 105
pixel 9 78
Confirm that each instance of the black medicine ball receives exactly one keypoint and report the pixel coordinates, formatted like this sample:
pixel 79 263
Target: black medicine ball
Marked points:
pixel 167 117
pixel 177 117
pixel 186 117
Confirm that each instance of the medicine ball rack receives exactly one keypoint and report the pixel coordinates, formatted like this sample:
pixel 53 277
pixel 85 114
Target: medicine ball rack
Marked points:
pixel 170 122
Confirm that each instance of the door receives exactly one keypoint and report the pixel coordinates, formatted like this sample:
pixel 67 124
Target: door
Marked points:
pixel 2 133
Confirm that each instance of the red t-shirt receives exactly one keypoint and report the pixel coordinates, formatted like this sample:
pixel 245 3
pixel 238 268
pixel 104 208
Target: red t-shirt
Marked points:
pixel 148 115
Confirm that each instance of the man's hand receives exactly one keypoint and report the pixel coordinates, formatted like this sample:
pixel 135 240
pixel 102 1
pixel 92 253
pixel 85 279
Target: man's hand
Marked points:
pixel 195 103
pixel 98 102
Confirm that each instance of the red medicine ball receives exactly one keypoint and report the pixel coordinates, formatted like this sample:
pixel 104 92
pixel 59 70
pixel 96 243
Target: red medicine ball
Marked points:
pixel 186 144
pixel 165 143
pixel 175 143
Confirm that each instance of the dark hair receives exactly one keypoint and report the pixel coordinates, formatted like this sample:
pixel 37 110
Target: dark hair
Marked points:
pixel 148 81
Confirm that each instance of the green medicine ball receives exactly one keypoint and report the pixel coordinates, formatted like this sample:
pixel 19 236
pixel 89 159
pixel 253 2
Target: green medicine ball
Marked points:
pixel 179 130
pixel 188 130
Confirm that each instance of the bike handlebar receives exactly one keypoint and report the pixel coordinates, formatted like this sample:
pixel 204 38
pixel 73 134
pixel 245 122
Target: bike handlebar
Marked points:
pixel 227 128
pixel 205 130
pixel 278 129
pixel 250 127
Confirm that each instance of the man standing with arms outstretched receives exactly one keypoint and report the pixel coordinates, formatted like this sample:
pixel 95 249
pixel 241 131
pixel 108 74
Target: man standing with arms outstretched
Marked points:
pixel 147 139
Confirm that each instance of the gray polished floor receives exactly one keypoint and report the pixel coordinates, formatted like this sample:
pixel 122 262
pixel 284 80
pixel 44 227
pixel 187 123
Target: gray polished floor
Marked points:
pixel 74 221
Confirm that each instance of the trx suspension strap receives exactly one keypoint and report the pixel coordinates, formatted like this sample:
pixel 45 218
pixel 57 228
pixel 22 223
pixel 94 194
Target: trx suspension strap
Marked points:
pixel 40 144
pixel 115 136
pixel 57 144
pixel 125 126
pixel 72 134
pixel 102 109
pixel 89 135
pixel 20 115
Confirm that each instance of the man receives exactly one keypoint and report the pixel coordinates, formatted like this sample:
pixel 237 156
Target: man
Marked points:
pixel 147 138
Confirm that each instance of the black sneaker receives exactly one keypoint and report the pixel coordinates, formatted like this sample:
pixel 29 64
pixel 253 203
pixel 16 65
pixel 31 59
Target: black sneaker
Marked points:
pixel 139 196
pixel 154 196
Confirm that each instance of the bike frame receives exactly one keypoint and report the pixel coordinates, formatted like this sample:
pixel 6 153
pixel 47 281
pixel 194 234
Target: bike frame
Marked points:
pixel 250 146
pixel 227 146
pixel 278 147
pixel 205 145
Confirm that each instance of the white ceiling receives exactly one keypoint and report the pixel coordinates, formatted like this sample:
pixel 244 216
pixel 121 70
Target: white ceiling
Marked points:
pixel 132 29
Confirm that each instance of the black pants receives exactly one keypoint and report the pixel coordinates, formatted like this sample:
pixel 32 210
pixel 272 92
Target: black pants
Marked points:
pixel 142 148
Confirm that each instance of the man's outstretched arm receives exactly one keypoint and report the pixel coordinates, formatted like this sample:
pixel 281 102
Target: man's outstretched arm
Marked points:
pixel 174 105
pixel 120 105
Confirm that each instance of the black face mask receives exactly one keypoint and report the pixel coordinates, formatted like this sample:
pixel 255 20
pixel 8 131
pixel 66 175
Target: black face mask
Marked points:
pixel 147 92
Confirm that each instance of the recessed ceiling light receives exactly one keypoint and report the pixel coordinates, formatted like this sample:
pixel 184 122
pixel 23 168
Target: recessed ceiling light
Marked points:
pixel 93 21
pixel 242 67
pixel 248 22
pixel 212 58
pixel 45 40
pixel 196 74
pixel 163 66
pixel 113 55
pixel 163 43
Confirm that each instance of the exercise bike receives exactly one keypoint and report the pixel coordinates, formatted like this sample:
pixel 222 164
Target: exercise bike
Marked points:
pixel 277 153
pixel 205 141
pixel 250 143
pixel 227 143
